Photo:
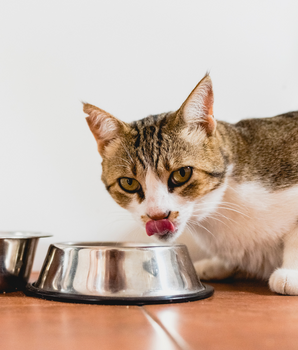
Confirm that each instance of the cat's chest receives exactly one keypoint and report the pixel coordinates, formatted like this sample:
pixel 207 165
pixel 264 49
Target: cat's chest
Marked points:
pixel 249 223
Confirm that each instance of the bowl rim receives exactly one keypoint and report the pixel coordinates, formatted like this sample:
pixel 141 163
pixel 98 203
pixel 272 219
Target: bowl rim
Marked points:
pixel 32 291
pixel 22 234
pixel 114 245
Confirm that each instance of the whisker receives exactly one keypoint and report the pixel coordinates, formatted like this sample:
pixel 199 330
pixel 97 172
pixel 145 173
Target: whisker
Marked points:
pixel 216 213
pixel 213 218
pixel 224 208
pixel 234 210
pixel 124 160
pixel 197 223
pixel 226 217
pixel 121 165
pixel 127 151
pixel 225 203
pixel 190 229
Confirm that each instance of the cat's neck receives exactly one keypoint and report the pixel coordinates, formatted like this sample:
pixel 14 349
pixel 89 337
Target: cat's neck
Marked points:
pixel 229 140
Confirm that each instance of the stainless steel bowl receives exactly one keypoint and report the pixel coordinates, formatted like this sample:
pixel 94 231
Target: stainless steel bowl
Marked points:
pixel 17 250
pixel 118 273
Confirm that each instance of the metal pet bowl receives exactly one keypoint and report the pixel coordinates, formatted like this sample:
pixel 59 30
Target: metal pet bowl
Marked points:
pixel 17 250
pixel 118 273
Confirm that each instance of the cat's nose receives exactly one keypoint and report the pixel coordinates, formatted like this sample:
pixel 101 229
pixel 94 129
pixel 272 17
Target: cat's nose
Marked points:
pixel 159 216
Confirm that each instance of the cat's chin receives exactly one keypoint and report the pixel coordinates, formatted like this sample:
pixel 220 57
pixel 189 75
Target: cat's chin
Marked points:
pixel 168 237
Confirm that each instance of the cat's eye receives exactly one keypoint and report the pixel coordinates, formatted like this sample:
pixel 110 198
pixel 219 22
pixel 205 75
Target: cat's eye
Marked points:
pixel 180 176
pixel 129 185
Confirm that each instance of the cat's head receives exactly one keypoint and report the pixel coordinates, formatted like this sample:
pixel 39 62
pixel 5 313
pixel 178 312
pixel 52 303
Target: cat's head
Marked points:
pixel 166 169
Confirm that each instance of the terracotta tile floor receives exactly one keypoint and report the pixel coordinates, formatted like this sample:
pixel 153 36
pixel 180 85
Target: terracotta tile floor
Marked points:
pixel 240 315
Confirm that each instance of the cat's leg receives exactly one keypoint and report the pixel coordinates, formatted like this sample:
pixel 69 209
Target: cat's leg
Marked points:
pixel 285 279
pixel 213 269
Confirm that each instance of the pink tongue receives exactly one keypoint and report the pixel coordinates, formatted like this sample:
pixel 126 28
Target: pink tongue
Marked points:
pixel 160 227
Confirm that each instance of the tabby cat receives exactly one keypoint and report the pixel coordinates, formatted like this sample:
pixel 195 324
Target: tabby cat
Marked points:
pixel 234 185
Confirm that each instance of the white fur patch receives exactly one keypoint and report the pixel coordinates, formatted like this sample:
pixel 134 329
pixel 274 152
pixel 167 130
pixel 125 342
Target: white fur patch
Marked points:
pixel 247 226
pixel 213 269
pixel 157 196
pixel 284 281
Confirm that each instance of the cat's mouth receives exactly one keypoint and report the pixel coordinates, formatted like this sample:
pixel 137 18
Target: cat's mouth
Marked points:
pixel 163 229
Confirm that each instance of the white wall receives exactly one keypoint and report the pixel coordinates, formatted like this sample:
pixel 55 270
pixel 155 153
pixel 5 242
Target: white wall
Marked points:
pixel 132 58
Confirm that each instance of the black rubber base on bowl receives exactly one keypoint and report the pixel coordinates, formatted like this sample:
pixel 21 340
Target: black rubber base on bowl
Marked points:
pixel 32 291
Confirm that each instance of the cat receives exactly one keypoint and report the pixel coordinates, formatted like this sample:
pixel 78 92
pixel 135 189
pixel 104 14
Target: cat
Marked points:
pixel 234 185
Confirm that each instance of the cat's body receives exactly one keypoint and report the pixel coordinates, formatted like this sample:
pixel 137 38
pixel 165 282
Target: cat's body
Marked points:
pixel 235 186
pixel 259 205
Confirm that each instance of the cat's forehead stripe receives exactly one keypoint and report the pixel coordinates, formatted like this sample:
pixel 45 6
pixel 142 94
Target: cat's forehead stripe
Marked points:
pixel 137 145
pixel 149 140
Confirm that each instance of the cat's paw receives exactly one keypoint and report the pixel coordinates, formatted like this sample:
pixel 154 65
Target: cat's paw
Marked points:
pixel 284 281
pixel 212 269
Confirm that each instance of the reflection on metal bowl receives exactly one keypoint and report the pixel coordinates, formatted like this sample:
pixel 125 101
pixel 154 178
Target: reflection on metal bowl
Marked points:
pixel 17 250
pixel 118 273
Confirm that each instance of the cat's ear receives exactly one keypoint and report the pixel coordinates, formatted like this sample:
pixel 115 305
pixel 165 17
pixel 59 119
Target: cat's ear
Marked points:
pixel 103 126
pixel 198 107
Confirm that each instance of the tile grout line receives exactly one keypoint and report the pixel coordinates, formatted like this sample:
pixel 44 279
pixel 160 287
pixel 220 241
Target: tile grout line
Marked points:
pixel 181 344
pixel 155 323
